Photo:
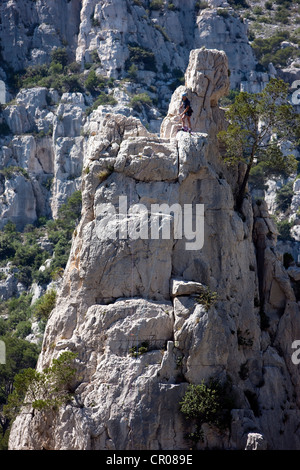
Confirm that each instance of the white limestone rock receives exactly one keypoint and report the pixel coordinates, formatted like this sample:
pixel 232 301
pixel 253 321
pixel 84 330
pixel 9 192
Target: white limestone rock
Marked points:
pixel 17 201
pixel 206 80
pixel 255 441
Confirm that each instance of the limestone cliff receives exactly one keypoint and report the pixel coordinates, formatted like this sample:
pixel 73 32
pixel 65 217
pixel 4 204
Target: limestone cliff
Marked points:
pixel 29 31
pixel 120 293
pixel 46 135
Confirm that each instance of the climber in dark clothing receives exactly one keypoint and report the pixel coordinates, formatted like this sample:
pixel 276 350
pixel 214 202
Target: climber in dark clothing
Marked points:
pixel 185 112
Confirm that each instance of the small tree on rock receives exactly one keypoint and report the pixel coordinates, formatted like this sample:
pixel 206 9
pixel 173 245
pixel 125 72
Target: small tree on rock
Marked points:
pixel 258 124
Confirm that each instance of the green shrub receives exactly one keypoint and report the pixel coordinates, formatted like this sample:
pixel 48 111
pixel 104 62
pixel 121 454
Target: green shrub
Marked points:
pixel 132 71
pixel 284 197
pixel 59 56
pixel 207 298
pixel 137 351
pixel 229 99
pixel 140 100
pixel 178 79
pixel 141 56
pixel 104 174
pixel 20 354
pixel 257 10
pixel 201 5
pixel 257 176
pixel 7 247
pixel 44 305
pixel 24 251
pixel 95 57
pixel 156 5
pixel 162 31
pixel 269 49
pixel 23 329
pixel 93 81
pixel 284 229
pixel 223 12
pixel 10 171
pixel 209 404
pixel 102 100
pixel 282 15
pixel 238 4
pixel 17 310
pixel 95 21
pixel 46 390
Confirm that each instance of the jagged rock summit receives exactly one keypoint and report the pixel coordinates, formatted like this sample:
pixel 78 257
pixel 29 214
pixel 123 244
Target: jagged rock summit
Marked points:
pixel 206 81
pixel 123 291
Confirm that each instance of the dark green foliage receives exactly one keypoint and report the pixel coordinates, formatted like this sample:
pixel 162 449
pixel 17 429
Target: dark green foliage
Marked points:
pixel 284 228
pixel 238 4
pixel 25 254
pixel 46 390
pixel 201 5
pixel 10 171
pixel 207 298
pixel 207 403
pixel 20 354
pixel 44 305
pixel 140 100
pixel 141 57
pixel 8 245
pixel 229 99
pixel 247 141
pixel 178 79
pixel 282 15
pixel 257 178
pixel 94 82
pixel 17 310
pixel 137 351
pixel 60 230
pixel 24 251
pixel 284 197
pixel 223 12
pixel 103 99
pixel 269 49
pixel 156 5
pixel 59 56
pixel 57 75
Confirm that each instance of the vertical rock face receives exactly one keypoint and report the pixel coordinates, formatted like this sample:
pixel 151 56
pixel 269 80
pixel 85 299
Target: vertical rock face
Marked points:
pixel 130 289
pixel 206 80
pixel 45 154
pixel 29 30
pixel 107 29
pixel 222 29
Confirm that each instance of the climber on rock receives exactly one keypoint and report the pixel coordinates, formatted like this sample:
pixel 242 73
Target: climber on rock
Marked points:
pixel 185 111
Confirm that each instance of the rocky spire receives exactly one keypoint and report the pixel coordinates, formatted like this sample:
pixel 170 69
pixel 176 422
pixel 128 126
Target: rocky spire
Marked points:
pixel 149 315
pixel 206 81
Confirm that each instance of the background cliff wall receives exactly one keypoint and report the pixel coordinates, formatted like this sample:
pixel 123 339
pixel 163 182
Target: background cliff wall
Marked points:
pixel 42 126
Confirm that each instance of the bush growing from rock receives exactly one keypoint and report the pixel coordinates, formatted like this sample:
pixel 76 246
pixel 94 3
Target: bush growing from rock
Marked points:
pixel 207 403
pixel 140 100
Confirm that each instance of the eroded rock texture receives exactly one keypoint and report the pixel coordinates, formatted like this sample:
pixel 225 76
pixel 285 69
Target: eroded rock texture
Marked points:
pixel 121 293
